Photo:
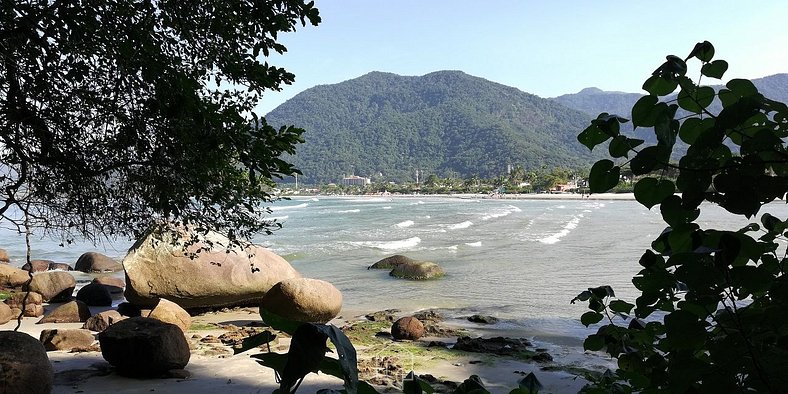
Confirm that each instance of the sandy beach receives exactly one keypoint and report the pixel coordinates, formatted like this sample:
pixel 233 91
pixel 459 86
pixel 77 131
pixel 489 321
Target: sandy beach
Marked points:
pixel 214 369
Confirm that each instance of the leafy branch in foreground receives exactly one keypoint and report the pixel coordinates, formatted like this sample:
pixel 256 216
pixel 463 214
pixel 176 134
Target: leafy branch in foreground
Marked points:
pixel 711 315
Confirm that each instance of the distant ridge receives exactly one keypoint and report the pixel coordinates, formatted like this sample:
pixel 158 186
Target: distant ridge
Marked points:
pixel 443 123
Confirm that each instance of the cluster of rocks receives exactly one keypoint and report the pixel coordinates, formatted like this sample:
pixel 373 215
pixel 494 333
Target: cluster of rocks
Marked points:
pixel 166 276
pixel 407 268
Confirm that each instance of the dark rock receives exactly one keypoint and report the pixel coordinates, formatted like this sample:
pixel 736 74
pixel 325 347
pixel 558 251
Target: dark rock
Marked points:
pixel 54 286
pixel 70 312
pixel 437 344
pixel 407 328
pixel 391 262
pixel 60 267
pixel 113 285
pixel 144 347
pixel 497 345
pixel 542 357
pixel 92 262
pixel 94 294
pixel 428 315
pixel 25 365
pixel 482 319
pixel 100 321
pixel 66 339
pixel 387 315
pixel 38 265
pixel 418 270
pixel 128 309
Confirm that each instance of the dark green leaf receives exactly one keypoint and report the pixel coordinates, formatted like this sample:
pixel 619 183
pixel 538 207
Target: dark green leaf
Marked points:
pixel 684 330
pixel 306 353
pixel 590 318
pixel 279 323
pixel 621 306
pixel 584 296
pixel 715 69
pixel 742 87
pixel 472 385
pixel 347 355
pixel 675 214
pixel 592 136
pixel 649 159
pixel 646 110
pixel 594 342
pixel 692 128
pixel 704 51
pixel 659 86
pixel 621 145
pixel 412 384
pixel 530 384
pixel 604 176
pixel 255 341
pixel 651 191
pixel 275 361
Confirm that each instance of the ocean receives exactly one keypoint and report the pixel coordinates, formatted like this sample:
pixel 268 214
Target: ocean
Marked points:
pixel 521 261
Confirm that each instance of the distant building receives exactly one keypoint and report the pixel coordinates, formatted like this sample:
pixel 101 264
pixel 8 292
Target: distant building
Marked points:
pixel 356 180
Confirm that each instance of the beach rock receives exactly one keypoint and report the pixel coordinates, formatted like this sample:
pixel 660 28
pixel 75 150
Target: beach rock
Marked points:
pixel 483 319
pixel 12 277
pixel 417 270
pixel 6 314
pixel 92 262
pixel 66 339
pixel 129 310
pixel 53 286
pixel 304 300
pixel 38 265
pixel 169 312
pixel 497 345
pixel 33 304
pixel 391 262
pixel 70 312
pixel 113 285
pixel 100 321
pixel 25 367
pixel 60 267
pixel 192 277
pixel 144 347
pixel 4 256
pixel 94 294
pixel 386 315
pixel 407 328
pixel 428 315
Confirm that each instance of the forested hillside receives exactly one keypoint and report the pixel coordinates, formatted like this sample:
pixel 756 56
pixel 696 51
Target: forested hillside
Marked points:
pixel 443 123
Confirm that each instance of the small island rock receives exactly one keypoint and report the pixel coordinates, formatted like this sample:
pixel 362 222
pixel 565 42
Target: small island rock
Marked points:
pixel 418 270
pixel 391 262
pixel 96 262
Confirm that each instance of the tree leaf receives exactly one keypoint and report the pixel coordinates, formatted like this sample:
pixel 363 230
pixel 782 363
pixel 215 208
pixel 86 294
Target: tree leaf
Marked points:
pixel 594 343
pixel 255 341
pixel 279 323
pixel 347 355
pixel 649 159
pixel 651 191
pixel 530 384
pixel 590 318
pixel 704 51
pixel 715 69
pixel 621 306
pixel 646 110
pixel 659 86
pixel 604 176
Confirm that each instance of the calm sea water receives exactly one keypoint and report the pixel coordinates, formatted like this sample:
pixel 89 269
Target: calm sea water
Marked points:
pixel 521 261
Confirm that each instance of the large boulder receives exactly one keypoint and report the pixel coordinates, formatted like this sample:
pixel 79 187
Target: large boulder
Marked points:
pixel 24 365
pixel 169 312
pixel 304 300
pixel 417 270
pixel 144 347
pixel 60 267
pixel 100 321
pixel 198 275
pixel 37 265
pixel 407 328
pixel 391 262
pixel 70 312
pixel 33 304
pixel 54 286
pixel 92 262
pixel 94 294
pixel 12 277
pixel 5 313
pixel 66 339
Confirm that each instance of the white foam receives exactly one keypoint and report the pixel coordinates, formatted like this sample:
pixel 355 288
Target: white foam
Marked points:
pixel 554 238
pixel 304 205
pixel 404 224
pixel 417 203
pixel 474 244
pixel 386 207
pixel 392 245
pixel 314 199
pixel 462 225
pixel 350 211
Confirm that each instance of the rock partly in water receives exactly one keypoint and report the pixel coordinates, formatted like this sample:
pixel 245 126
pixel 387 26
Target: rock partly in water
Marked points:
pixel 169 312
pixel 386 315
pixel 92 262
pixel 407 328
pixel 498 345
pixel 199 275
pixel 54 286
pixel 113 285
pixel 38 265
pixel 482 319
pixel 144 347
pixel 60 267
pixel 100 321
pixel 70 312
pixel 304 300
pixel 66 339
pixel 25 365
pixel 391 262
pixel 12 277
pixel 418 270
pixel 94 294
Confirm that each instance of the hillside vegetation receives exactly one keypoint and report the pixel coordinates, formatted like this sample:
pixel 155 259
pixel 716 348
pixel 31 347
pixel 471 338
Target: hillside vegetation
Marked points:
pixel 443 123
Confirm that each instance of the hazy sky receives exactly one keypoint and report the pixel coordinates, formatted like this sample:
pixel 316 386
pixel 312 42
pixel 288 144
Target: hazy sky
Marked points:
pixel 547 48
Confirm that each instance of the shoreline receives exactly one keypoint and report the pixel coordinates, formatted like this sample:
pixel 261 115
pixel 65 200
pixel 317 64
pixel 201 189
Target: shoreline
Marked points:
pixel 213 368
pixel 470 196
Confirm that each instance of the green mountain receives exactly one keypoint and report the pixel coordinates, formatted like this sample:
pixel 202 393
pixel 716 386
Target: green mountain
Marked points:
pixel 443 123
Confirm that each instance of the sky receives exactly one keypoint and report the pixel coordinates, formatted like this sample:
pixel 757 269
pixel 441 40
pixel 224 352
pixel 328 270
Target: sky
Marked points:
pixel 547 48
